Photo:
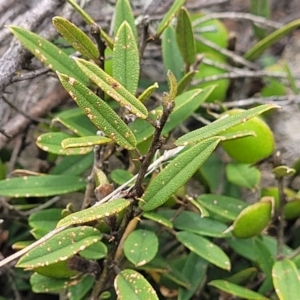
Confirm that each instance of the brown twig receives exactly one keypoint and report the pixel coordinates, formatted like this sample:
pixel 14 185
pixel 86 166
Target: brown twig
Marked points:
pixel 241 74
pixel 23 113
pixel 17 124
pixel 30 74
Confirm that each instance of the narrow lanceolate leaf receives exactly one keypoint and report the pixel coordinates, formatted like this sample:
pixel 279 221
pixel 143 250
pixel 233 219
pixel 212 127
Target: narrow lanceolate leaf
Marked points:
pixel 40 186
pixel 260 8
pixel 185 82
pixel 131 285
pixel 75 120
pixel 89 20
pixel 141 246
pixel 236 290
pixel 172 58
pixel 76 38
pixel 48 53
pixel 176 174
pixel 113 88
pixel 286 279
pixel 147 93
pixel 95 213
pixel 60 247
pixel 205 249
pixel 51 142
pixel 85 141
pixel 123 12
pixel 185 37
pixel 169 16
pixel 126 66
pixel 222 124
pixel 270 39
pixel 99 112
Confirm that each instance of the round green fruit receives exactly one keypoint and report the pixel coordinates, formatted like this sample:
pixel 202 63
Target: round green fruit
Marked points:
pixel 205 70
pixel 250 149
pixel 216 32
pixel 252 220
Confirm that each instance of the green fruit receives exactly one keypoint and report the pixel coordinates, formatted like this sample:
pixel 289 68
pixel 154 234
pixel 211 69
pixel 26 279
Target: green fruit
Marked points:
pixel 250 149
pixel 273 86
pixel 292 207
pixel 219 35
pixel 252 220
pixel 219 93
pixel 272 191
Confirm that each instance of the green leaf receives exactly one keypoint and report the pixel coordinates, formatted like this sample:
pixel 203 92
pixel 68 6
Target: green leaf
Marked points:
pixel 126 66
pixel 73 165
pixel 95 251
pixel 222 124
pixel 243 175
pixel 51 142
pixel 142 128
pixel 60 247
pixel 84 141
pixel 185 82
pixel 59 269
pixel 195 270
pixel 113 88
pixel 99 112
pixel 44 221
pixel 40 186
pixel 157 217
pixel 131 285
pixel 193 222
pixel 123 12
pixel 236 290
pixel 269 40
pixel 76 38
pixel 169 16
pixel 80 289
pixel 95 213
pixel 170 179
pixel 286 280
pixel 120 176
pixel 172 58
pixel 47 53
pixel 89 20
pixel 185 37
pixel 205 249
pixel 75 120
pixel 260 8
pixel 141 246
pixel 146 94
pixel 185 105
pixel 244 247
pixel 45 284
pixel 264 256
pixel 223 206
